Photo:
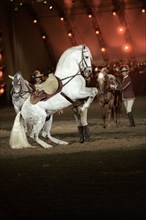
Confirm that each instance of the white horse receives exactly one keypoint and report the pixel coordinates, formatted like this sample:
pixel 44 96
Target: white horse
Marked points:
pixel 20 90
pixel 73 66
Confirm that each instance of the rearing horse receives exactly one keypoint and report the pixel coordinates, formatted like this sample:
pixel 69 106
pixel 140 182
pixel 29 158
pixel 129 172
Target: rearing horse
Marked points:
pixel 73 67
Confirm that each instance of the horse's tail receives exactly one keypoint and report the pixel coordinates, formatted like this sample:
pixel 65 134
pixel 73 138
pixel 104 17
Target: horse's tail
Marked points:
pixel 18 137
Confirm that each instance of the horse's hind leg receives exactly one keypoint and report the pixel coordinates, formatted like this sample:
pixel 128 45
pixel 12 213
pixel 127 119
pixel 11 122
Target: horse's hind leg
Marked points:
pixel 46 132
pixel 35 133
pixel 102 107
pixel 109 113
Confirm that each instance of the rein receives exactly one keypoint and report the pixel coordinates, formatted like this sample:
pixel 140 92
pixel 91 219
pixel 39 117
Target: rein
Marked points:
pixel 20 94
pixel 73 76
pixel 70 78
pixel 80 71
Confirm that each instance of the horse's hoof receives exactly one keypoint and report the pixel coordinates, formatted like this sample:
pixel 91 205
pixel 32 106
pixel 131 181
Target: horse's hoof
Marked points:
pixel 64 143
pixel 46 146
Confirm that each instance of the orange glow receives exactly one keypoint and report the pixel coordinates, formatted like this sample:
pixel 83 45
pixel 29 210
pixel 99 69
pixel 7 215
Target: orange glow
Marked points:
pixel 62 19
pixel 97 31
pixel 89 16
pixel 35 21
pixel 43 37
pixel 121 30
pixel 114 13
pixel 103 49
pixel 1 91
pixel 1 73
pixel 126 48
pixel 70 34
pixel 50 7
pixel 143 10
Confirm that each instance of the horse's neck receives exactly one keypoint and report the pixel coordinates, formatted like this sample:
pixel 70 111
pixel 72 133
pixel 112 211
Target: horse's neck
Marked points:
pixel 107 84
pixel 104 86
pixel 66 68
pixel 24 86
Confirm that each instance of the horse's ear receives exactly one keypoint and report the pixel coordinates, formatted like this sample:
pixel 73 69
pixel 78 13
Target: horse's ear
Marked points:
pixel 84 46
pixel 19 72
pixel 11 77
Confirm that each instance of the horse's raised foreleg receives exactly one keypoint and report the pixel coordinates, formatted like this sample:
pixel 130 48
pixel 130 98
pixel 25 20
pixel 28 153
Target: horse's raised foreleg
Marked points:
pixel 46 132
pixel 91 93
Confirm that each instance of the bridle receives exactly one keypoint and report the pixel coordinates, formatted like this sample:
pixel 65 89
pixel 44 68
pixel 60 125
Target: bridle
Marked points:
pixel 20 93
pixel 83 61
pixel 81 71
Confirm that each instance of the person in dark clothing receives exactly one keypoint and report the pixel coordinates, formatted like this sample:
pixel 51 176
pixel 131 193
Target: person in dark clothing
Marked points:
pixel 128 96
pixel 38 77
pixel 81 119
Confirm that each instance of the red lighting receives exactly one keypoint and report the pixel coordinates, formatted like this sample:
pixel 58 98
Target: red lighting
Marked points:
pixel 143 10
pixel 126 48
pixel 70 34
pixel 97 31
pixel 43 37
pixel 35 21
pixel 1 73
pixel 1 91
pixel 50 7
pixel 114 13
pixel 89 16
pixel 121 30
pixel 62 19
pixel 103 49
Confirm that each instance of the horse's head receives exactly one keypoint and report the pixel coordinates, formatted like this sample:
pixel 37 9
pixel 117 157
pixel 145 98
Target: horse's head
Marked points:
pixel 85 63
pixel 102 78
pixel 16 82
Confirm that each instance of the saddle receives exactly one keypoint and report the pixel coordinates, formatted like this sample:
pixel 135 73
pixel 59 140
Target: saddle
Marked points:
pixel 46 90
pixel 49 86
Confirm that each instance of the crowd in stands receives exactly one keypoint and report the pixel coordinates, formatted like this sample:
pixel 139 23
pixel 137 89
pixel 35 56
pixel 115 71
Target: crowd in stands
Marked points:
pixel 137 72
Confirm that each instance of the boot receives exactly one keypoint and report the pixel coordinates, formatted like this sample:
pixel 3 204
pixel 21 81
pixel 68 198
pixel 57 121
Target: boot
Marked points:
pixel 131 119
pixel 81 133
pixel 86 132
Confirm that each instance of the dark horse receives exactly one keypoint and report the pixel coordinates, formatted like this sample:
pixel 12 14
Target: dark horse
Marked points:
pixel 109 97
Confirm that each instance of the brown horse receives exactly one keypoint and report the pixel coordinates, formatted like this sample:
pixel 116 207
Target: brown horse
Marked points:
pixel 109 97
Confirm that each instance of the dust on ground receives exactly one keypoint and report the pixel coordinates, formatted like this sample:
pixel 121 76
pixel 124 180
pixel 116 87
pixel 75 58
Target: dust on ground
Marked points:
pixel 64 127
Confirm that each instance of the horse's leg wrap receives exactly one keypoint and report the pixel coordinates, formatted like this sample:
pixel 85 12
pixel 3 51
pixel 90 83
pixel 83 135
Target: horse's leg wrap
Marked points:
pixel 81 133
pixel 86 132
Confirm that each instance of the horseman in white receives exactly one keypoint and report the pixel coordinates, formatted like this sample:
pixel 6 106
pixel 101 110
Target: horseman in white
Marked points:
pixel 73 67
